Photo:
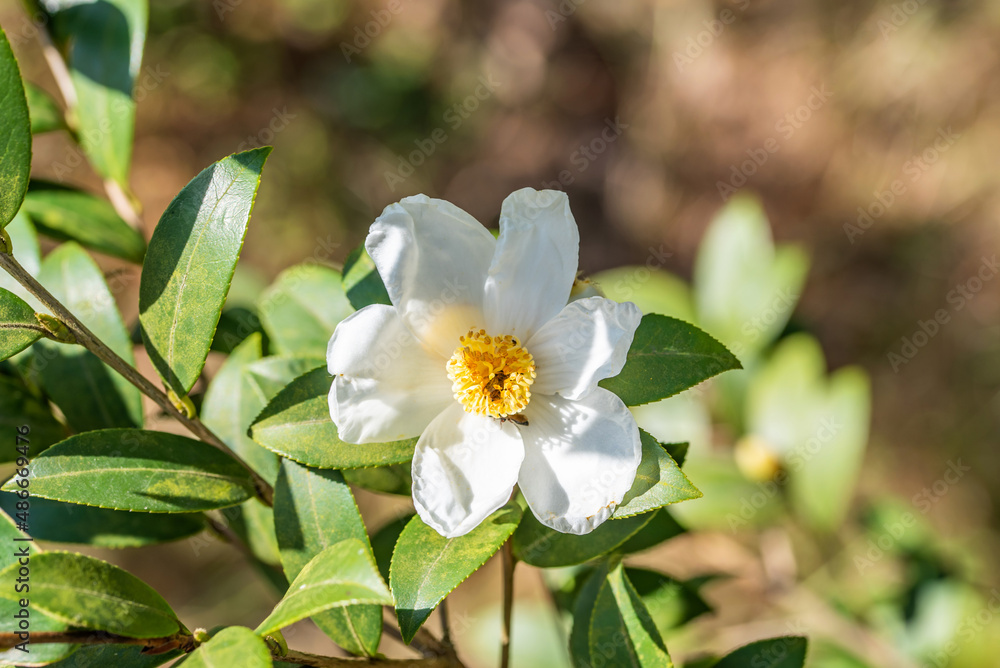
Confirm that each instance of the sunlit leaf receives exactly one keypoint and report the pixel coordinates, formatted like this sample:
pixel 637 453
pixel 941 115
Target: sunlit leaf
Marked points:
pixel 659 482
pixel 232 647
pixel 15 135
pixel 18 326
pixel 300 310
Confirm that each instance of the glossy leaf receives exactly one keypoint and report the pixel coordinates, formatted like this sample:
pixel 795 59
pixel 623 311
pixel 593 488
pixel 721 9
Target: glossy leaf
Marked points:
pixel 671 603
pixel 667 356
pixel 43 110
pixel 300 310
pixel 91 593
pixel 394 479
pixel 362 284
pixel 621 629
pixel 659 482
pixel 15 135
pixel 384 542
pixel 19 406
pixel 86 525
pixel 297 425
pixel 90 394
pixel 104 53
pixel 426 566
pixel 146 471
pixel 313 510
pixel 785 652
pixel 18 326
pixel 538 545
pixel 236 646
pixel 66 214
pixel 193 255
pixel 342 574
pixel 583 611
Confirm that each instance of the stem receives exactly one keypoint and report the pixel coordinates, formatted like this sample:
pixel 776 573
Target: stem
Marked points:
pixel 124 204
pixel 508 603
pixel 445 626
pixel 88 340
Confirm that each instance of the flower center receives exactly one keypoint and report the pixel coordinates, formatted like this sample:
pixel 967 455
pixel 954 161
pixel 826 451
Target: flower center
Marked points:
pixel 491 374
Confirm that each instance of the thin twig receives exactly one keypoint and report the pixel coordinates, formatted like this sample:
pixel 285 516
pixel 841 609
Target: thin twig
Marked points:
pixel 124 204
pixel 88 340
pixel 508 603
pixel 445 626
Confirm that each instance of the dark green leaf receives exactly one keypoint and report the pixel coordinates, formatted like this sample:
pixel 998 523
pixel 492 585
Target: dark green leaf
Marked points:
pixel 384 542
pixel 18 326
pixel 90 394
pixel 659 482
pixel 362 284
pixel 677 451
pixel 45 113
pixel 15 135
pixel 193 255
pixel 426 566
pixel 538 545
pixel 660 527
pixel 18 406
pixel 71 523
pixel 313 510
pixel 297 425
pixel 235 324
pixel 583 611
pixel 621 629
pixel 393 479
pixel 235 647
pixel 104 52
pixel 670 603
pixel 40 654
pixel 66 214
pixel 302 308
pixel 98 656
pixel 667 356
pixel 91 593
pixel 146 471
pixel 784 652
pixel 342 574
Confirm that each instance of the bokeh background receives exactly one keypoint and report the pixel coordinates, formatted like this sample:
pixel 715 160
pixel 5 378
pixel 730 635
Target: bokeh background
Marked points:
pixel 869 131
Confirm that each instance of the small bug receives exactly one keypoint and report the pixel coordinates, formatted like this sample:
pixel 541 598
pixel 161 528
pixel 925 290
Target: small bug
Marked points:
pixel 517 419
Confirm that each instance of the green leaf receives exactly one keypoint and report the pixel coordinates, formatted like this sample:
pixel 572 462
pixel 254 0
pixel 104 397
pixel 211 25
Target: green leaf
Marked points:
pixel 233 399
pixel 65 214
pixel 91 593
pixel 104 52
pixel 43 110
pixel 667 356
pixel 26 250
pixel 394 479
pixel 660 527
pixel 273 374
pixel 297 425
pixel 362 284
pixel 342 574
pixel 235 646
pixel 40 654
pixel 583 610
pixel 18 326
pixel 132 469
pixel 312 511
pixel 784 652
pixel 15 135
pixel 193 255
pixel 302 308
pixel 254 523
pixel 132 656
pixel 90 394
pixel 671 603
pixel 426 566
pixel 652 290
pixel 18 406
pixel 235 324
pixel 659 482
pixel 621 629
pixel 538 545
pixel 384 542
pixel 745 290
pixel 71 523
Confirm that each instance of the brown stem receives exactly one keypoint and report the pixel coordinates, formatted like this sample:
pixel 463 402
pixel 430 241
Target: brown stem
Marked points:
pixel 88 340
pixel 445 626
pixel 508 603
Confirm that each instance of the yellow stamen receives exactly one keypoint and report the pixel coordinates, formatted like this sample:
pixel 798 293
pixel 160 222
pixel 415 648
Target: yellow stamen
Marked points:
pixel 491 375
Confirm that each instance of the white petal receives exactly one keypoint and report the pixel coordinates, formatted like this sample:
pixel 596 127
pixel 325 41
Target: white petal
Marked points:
pixel 535 262
pixel 580 457
pixel 586 343
pixel 433 258
pixel 386 386
pixel 464 468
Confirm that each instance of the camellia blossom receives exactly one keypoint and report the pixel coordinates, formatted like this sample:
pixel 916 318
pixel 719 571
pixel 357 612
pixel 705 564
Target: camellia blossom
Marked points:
pixel 483 356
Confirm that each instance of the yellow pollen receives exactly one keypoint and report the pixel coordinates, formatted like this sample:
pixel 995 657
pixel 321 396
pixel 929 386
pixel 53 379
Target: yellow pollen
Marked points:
pixel 491 375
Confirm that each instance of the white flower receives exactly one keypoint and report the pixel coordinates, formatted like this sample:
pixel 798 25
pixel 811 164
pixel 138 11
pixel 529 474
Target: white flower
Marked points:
pixel 481 356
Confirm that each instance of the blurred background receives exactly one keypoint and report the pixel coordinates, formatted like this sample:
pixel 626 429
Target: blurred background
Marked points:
pixel 862 137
